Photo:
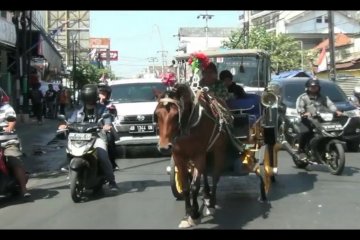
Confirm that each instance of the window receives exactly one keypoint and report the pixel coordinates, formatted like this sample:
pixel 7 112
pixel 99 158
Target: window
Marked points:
pixel 136 92
pixel 3 14
pixel 293 90
pixel 246 70
pixel 326 20
pixel 255 12
pixel 319 19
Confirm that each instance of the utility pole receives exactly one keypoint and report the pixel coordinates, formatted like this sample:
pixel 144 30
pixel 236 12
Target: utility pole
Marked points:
pixel 332 71
pixel 74 66
pixel 15 20
pixel 206 16
pixel 152 60
pixel 163 58
pixel 247 24
pixel 23 70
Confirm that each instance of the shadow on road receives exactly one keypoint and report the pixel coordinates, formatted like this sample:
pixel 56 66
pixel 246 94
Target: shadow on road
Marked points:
pixel 238 209
pixel 36 194
pixel 50 174
pixel 124 188
pixel 288 184
pixel 127 187
pixel 348 171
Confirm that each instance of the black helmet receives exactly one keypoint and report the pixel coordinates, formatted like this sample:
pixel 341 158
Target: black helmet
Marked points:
pixel 312 82
pixel 105 88
pixel 89 94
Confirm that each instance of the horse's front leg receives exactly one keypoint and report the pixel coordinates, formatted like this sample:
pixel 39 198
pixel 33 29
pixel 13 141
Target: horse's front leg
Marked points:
pixel 206 190
pixel 194 217
pixel 219 160
pixel 181 164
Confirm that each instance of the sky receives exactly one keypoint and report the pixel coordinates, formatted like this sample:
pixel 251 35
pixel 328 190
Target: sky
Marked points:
pixel 138 35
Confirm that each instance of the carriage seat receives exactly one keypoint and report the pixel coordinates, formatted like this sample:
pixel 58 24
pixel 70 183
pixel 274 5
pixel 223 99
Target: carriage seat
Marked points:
pixel 246 112
pixel 248 105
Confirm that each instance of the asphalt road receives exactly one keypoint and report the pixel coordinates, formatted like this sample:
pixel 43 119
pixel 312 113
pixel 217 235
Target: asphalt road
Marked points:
pixel 304 199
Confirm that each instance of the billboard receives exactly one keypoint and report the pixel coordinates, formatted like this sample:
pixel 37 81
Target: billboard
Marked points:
pixel 113 55
pixel 99 43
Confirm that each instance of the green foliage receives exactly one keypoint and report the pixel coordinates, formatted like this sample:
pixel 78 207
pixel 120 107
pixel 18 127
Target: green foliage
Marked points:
pixel 284 50
pixel 89 73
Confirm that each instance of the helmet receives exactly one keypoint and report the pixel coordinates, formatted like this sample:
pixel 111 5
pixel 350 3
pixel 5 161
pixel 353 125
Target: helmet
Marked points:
pixel 312 82
pixel 357 91
pixel 89 94
pixel 105 88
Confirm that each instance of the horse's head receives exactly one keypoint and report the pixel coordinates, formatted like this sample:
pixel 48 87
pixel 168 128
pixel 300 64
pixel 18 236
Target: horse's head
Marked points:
pixel 169 115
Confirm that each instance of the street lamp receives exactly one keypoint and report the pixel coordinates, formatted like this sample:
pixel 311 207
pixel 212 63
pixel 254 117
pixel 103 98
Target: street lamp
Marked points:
pixel 206 16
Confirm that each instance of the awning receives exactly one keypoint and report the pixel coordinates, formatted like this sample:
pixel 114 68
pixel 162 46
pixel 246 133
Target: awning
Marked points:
pixel 7 33
pixel 42 47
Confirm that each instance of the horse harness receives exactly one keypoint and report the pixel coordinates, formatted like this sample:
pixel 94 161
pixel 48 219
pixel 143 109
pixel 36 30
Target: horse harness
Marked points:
pixel 217 115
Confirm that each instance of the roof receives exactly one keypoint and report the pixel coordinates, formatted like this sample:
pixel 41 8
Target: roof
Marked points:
pixel 200 31
pixel 291 74
pixel 299 80
pixel 135 80
pixel 340 40
pixel 227 53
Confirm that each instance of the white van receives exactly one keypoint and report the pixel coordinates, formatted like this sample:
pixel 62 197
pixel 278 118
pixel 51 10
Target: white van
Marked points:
pixel 135 103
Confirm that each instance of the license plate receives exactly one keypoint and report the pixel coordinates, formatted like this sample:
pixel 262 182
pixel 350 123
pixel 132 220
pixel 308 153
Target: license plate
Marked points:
pixel 80 136
pixel 331 127
pixel 141 129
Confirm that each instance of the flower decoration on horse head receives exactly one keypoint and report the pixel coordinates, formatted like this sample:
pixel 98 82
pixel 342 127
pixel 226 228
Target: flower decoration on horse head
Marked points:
pixel 168 79
pixel 198 61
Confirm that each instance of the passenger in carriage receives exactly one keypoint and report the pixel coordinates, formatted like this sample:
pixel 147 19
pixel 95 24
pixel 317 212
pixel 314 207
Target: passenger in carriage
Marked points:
pixel 236 90
pixel 211 81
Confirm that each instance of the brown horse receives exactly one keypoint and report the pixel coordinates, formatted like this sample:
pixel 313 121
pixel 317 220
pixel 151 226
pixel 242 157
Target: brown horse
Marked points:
pixel 191 127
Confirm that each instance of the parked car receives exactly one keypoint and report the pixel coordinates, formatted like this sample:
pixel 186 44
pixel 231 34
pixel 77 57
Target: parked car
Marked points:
pixel 289 89
pixel 135 103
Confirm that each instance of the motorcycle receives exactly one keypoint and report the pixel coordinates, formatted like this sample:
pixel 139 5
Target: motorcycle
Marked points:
pixel 8 183
pixel 84 170
pixel 325 147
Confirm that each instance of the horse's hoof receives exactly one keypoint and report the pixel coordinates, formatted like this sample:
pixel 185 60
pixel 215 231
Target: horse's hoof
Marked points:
pixel 209 211
pixel 207 202
pixel 261 200
pixel 187 223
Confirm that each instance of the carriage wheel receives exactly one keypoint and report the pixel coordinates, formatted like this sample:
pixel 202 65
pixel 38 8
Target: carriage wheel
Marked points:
pixel 263 194
pixel 175 183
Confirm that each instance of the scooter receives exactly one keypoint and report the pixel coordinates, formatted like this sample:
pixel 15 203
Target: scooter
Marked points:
pixel 85 171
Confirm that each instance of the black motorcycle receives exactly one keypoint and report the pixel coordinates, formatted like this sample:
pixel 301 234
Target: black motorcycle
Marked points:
pixel 325 147
pixel 85 171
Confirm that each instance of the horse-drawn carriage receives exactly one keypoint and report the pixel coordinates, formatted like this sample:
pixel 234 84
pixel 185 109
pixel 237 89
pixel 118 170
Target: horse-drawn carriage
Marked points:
pixel 202 129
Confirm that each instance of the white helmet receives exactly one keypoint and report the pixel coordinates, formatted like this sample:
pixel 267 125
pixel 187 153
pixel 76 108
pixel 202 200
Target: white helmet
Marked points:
pixel 357 90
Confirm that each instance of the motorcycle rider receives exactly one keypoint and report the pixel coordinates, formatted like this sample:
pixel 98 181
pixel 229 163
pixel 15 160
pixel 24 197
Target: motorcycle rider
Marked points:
pixel 355 99
pixel 104 99
pixel 306 107
pixel 12 152
pixel 91 111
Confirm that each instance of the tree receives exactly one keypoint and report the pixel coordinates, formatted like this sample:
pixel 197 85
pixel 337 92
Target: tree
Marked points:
pixel 284 50
pixel 89 73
